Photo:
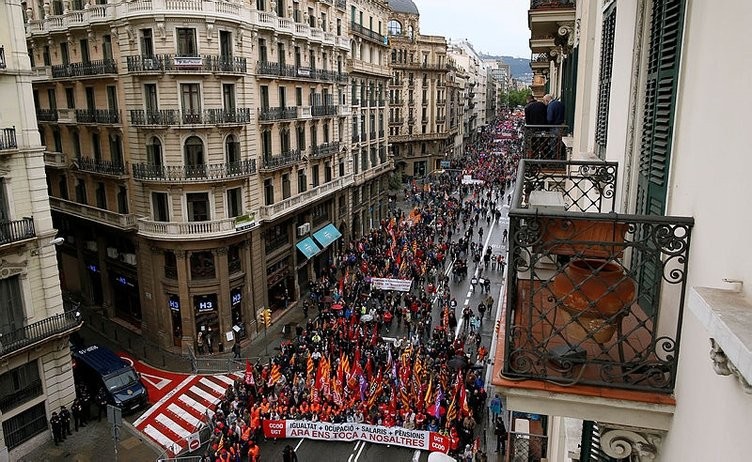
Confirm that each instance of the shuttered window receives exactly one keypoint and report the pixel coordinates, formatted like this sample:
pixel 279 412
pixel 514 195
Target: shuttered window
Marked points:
pixel 660 98
pixel 604 81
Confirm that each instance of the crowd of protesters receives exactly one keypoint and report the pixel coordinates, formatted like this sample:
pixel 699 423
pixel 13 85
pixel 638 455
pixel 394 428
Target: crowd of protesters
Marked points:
pixel 339 368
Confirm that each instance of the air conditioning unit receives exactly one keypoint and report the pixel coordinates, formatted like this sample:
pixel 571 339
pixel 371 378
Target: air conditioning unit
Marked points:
pixel 130 258
pixel 91 245
pixel 304 229
pixel 112 252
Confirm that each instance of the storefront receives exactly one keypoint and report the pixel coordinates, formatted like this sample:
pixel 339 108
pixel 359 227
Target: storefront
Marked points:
pixel 206 315
pixel 281 283
pixel 325 237
pixel 236 307
pixel 125 296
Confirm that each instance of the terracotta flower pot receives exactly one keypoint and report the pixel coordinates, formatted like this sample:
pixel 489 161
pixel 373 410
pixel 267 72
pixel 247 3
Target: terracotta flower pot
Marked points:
pixel 583 238
pixel 591 293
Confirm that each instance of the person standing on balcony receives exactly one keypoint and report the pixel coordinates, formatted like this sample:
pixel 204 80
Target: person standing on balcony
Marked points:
pixel 554 110
pixel 535 112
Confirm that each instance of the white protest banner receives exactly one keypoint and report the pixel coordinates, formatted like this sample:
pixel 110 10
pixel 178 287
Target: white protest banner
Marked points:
pixel 401 285
pixel 398 436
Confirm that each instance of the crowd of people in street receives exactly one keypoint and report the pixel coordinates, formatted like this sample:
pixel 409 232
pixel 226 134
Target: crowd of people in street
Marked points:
pixel 340 368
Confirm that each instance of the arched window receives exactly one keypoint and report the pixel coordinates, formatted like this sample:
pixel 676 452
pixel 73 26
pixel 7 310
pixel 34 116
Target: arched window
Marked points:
pixel 394 27
pixel 154 152
pixel 232 150
pixel 194 151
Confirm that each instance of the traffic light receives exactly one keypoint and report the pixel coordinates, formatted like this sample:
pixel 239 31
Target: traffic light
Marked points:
pixel 267 317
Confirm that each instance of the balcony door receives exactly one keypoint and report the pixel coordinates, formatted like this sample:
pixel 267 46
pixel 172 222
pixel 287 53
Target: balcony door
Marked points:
pixel 12 314
pixel 150 98
pixel 191 101
pixel 147 43
pixel 84 44
pixel 186 42
pixel 90 101
pixel 225 44
pixel 3 203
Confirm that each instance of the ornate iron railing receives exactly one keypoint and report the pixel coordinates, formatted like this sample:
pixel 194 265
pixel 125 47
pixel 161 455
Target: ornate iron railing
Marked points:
pixel 367 33
pixel 36 332
pixel 98 67
pixel 8 138
pixel 271 114
pixel 544 142
pixel 97 116
pixel 267 68
pixel 104 167
pixel 324 150
pixel 284 160
pixel 140 117
pixel 534 4
pixel 16 230
pixel 47 115
pixel 172 63
pixel 324 111
pixel 201 172
pixel 587 287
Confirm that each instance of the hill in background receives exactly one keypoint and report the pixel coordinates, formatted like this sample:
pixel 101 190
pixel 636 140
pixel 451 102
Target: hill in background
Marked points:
pixel 518 66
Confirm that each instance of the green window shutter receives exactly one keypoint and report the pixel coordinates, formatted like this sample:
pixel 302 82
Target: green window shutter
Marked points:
pixel 604 84
pixel 660 98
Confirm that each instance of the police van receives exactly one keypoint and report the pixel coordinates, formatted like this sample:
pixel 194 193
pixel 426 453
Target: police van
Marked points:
pixel 98 367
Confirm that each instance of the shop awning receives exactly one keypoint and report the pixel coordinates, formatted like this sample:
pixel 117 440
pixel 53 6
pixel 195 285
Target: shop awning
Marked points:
pixel 308 247
pixel 326 235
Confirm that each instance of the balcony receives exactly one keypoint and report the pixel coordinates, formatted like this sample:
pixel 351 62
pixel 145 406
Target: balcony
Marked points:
pixel 397 121
pixel 595 298
pixel 12 231
pixel 8 138
pixel 88 69
pixel 189 230
pixel 324 111
pixel 98 116
pixel 102 167
pixel 341 4
pixel 543 142
pixel 286 159
pixel 541 4
pixel 367 34
pixel 274 114
pixel 296 202
pixel 46 115
pixel 173 117
pixel 193 173
pixel 123 221
pixel 54 327
pixel 324 150
pixel 55 159
pixel 218 64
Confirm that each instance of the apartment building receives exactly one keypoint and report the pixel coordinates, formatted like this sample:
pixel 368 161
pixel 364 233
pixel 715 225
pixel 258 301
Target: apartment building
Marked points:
pixel 420 133
pixel 35 324
pixel 198 154
pixel 655 365
pixel 475 117
pixel 370 73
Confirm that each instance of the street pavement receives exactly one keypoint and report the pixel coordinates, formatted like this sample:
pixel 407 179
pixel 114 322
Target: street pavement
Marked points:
pixel 181 400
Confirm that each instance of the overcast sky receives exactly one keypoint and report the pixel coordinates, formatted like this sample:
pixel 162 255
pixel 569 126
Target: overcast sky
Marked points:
pixel 497 27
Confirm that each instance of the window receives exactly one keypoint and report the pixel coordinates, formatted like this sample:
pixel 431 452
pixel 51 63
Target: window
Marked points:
pixel 327 172
pixel 154 152
pixel 160 206
pixel 107 46
pixel 12 314
pixel 202 265
pixel 281 54
pixel 266 144
pixel 101 196
pixel 76 138
pixel 286 186
pixel 147 43
pixel 263 52
pixel 198 206
pixel 301 137
pixel 268 192
pixel 191 101
pixel 70 98
pixel 24 426
pixel 233 259
pixel 64 56
pixel 298 96
pixel 302 181
pixel 186 41
pixel 150 98
pixel 81 191
pixel 225 44
pixel 51 98
pixel 62 186
pixel 232 152
pixel 170 265
pixel 46 56
pixel 19 386
pixel 116 150
pixel 194 151
pixel 315 175
pixel 84 47
pixel 122 199
pixel 604 84
pixel 96 146
pixel 234 202
pixel 228 96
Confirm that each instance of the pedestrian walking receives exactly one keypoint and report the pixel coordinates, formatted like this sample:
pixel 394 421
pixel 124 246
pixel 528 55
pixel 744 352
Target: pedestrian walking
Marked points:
pixel 501 435
pixel 236 350
pixel 487 285
pixel 495 407
pixel 504 235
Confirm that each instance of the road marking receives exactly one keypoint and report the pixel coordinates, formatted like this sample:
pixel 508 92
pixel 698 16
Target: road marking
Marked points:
pixel 204 394
pixel 470 293
pixel 355 449
pixel 157 436
pixel 213 385
pixel 172 425
pixel 416 455
pixel 359 451
pixel 183 414
pixel 299 443
pixel 193 403
pixel 225 379
pixel 156 406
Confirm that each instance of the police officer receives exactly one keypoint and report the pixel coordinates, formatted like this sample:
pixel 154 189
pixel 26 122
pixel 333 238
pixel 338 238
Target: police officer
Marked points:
pixel 77 411
pixel 65 419
pixel 101 400
pixel 57 428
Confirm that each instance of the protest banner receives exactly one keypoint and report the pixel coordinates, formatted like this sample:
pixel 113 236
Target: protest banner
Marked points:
pixel 401 285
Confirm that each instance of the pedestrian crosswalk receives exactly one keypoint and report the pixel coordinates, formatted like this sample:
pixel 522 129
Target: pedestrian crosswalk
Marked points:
pixel 182 412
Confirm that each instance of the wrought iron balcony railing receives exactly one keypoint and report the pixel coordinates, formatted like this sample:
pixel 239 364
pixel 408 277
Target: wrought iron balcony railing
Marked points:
pixel 16 230
pixel 272 114
pixel 367 33
pixel 544 142
pixel 8 138
pixel 172 63
pixel 102 167
pixel 588 288
pixel 47 115
pixel 169 117
pixel 527 447
pixel 324 150
pixel 98 67
pixel 60 324
pixel 535 4
pixel 286 159
pixel 97 116
pixel 202 172
pixel 324 111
